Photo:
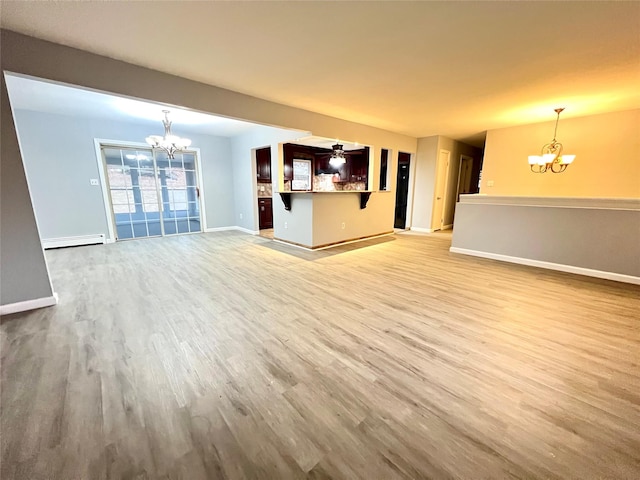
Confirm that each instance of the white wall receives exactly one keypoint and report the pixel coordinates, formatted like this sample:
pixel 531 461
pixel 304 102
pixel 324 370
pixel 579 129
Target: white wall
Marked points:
pixel 22 262
pixel 332 210
pixel 59 157
pixel 425 161
pixel 296 225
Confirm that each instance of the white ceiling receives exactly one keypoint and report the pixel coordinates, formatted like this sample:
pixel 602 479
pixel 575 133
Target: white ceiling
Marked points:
pixel 419 68
pixel 39 96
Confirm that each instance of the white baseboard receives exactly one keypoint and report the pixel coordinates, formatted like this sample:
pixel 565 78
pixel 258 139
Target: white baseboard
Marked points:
pixel 218 229
pixel 29 304
pixel 421 230
pixel 618 277
pixel 246 230
pixel 73 241
pixel 235 227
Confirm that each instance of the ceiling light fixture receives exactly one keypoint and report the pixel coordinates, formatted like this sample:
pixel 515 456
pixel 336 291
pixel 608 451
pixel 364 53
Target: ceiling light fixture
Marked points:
pixel 337 157
pixel 551 157
pixel 169 142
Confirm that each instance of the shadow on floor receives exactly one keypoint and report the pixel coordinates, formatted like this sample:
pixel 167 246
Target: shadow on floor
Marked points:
pixel 329 252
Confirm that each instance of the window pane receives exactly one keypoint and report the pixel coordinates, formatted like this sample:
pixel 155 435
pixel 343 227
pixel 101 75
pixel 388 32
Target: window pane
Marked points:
pixel 190 178
pixel 118 177
pixel 147 180
pixel 176 162
pixel 169 227
pixel 140 229
pixel 176 179
pixel 194 210
pixel 112 156
pixel 124 231
pixel 194 225
pixel 122 209
pixel 121 197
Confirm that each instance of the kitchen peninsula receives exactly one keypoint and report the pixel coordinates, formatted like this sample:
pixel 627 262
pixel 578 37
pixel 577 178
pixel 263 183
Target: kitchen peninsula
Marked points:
pixel 325 202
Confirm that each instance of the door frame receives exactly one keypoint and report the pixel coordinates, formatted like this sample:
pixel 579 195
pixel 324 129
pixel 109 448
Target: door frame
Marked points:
pixel 98 143
pixel 393 162
pixel 463 157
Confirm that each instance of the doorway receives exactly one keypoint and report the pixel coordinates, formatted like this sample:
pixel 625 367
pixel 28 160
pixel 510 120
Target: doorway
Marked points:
pixel 440 201
pixel 402 190
pixel 465 176
pixel 150 194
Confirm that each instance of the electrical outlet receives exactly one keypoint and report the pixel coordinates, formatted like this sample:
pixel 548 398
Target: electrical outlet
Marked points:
pixel 94 181
pixel 489 183
pixel 240 216
pixel 286 225
pixel 262 188
pixel 343 225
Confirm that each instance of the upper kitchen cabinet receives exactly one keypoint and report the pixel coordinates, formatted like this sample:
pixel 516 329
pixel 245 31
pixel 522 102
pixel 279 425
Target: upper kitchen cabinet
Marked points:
pixel 358 161
pixel 291 151
pixel 263 164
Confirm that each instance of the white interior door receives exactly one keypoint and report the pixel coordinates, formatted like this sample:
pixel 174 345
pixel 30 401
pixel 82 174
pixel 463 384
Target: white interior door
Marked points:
pixel 440 200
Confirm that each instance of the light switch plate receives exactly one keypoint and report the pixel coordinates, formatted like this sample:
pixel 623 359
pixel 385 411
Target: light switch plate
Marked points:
pixel 489 183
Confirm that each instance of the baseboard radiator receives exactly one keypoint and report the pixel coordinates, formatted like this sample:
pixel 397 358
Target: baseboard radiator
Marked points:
pixel 73 241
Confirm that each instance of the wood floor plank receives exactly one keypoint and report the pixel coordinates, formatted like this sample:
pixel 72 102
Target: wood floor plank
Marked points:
pixel 229 356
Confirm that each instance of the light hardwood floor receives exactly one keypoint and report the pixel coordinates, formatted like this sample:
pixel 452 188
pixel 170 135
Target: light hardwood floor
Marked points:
pixel 230 356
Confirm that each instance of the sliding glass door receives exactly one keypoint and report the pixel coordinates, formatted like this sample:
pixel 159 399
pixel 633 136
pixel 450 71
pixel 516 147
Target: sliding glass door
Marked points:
pixel 152 195
pixel 180 194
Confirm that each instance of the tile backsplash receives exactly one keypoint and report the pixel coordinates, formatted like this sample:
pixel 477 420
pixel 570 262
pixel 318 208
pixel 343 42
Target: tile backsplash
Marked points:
pixel 264 189
pixel 325 183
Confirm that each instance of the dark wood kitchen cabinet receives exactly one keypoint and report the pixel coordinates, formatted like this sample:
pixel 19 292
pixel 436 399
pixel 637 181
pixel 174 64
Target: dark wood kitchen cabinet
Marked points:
pixel 359 165
pixel 265 213
pixel 263 164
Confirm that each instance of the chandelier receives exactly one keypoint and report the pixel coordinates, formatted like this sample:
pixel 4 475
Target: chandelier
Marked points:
pixel 169 142
pixel 551 157
pixel 337 157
